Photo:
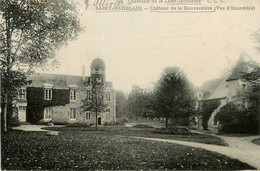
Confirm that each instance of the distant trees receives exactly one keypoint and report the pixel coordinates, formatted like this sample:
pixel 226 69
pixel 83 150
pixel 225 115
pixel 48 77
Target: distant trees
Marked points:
pixel 174 98
pixel 120 104
pixel 30 34
pixel 140 103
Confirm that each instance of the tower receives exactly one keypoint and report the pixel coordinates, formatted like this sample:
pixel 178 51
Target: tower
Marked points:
pixel 98 73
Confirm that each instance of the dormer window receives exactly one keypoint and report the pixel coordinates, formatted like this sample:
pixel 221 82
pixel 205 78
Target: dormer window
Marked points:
pixel 243 87
pixel 22 93
pixel 48 94
pixel 47 91
pixel 73 95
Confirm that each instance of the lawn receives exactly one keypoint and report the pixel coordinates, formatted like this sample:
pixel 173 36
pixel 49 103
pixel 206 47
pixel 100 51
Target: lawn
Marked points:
pixel 77 148
pixel 149 133
pixel 256 141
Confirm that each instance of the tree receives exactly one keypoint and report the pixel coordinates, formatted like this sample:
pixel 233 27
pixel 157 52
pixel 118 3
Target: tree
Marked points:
pixel 120 104
pixel 140 103
pixel 174 97
pixel 30 34
pixel 94 101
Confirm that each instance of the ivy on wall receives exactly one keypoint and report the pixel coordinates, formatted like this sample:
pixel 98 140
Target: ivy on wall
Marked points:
pixel 36 102
pixel 206 110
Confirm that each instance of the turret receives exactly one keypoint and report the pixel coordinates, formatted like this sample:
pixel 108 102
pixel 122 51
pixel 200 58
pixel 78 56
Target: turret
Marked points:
pixel 98 72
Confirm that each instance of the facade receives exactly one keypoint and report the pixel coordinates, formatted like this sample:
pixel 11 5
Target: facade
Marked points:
pixel 226 89
pixel 58 98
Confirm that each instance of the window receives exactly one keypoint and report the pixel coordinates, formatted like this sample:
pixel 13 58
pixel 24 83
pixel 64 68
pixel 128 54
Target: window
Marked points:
pixel 48 94
pixel 108 96
pixel 47 113
pixel 73 113
pixel 243 87
pixel 88 116
pixel 22 94
pixel 72 94
pixel 22 108
pixel 200 95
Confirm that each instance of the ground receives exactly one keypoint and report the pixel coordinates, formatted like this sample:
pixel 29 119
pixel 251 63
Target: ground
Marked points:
pixel 107 148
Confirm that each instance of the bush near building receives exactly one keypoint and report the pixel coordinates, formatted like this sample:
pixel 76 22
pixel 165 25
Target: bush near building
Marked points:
pixel 238 120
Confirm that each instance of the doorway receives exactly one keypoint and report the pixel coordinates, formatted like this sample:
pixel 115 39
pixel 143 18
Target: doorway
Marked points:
pixel 99 121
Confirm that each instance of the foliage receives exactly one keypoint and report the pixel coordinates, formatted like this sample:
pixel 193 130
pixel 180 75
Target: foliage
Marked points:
pixel 235 120
pixel 174 130
pixel 142 126
pixel 140 103
pixel 206 110
pixel 94 101
pixel 79 124
pixel 30 34
pixel 80 149
pixel 36 102
pixel 174 98
pixel 256 36
pixel 120 104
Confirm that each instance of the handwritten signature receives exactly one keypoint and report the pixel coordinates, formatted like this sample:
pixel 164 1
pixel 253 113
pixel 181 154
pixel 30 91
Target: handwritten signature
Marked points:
pixel 104 3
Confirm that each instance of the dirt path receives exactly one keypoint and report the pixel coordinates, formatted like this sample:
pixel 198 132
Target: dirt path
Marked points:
pixel 38 128
pixel 239 148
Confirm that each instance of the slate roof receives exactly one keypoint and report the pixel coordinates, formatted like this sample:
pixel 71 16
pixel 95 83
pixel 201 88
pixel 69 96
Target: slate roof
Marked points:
pixel 243 65
pixel 98 63
pixel 217 88
pixel 60 81
pixel 209 86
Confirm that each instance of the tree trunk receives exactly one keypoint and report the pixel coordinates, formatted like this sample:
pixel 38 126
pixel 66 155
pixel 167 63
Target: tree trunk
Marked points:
pixel 8 65
pixel 5 114
pixel 96 119
pixel 166 122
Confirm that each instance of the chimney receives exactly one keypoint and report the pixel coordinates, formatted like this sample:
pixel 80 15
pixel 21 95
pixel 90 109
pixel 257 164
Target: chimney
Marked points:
pixel 83 72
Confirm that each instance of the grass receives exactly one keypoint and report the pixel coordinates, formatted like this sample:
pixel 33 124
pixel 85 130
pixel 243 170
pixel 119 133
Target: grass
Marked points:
pixel 142 126
pixel 88 149
pixel 150 133
pixel 256 141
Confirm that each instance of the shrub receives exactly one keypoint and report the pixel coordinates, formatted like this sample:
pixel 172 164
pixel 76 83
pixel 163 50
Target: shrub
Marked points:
pixel 233 120
pixel 142 126
pixel 79 124
pixel 174 130
pixel 14 121
pixel 41 122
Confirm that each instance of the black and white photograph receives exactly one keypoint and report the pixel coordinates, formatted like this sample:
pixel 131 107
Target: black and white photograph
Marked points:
pixel 130 84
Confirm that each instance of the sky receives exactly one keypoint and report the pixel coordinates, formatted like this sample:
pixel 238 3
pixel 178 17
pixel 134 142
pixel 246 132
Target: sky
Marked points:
pixel 137 46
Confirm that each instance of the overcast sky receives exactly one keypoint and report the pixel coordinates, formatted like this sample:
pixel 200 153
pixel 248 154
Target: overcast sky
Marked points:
pixel 137 46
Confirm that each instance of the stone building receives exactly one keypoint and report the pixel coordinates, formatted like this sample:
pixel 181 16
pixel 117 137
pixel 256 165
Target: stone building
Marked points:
pixel 58 98
pixel 226 89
